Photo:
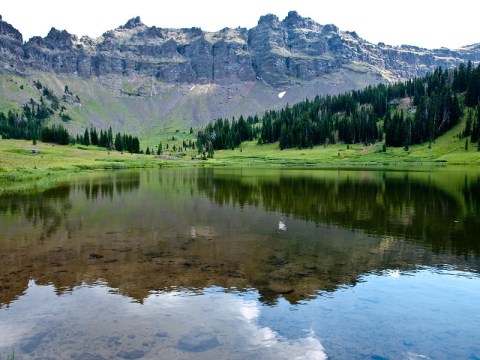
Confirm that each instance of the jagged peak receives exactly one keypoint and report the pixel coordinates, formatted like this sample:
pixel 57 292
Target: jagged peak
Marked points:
pixel 132 23
pixel 57 35
pixel 293 16
pixel 353 34
pixel 54 32
pixel 268 19
pixel 9 30
pixel 330 28
pixel 293 19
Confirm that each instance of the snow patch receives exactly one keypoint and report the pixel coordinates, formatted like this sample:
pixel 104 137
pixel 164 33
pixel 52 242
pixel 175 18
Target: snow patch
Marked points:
pixel 193 87
pixel 282 94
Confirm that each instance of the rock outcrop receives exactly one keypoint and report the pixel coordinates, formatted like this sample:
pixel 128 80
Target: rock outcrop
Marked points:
pixel 11 48
pixel 277 52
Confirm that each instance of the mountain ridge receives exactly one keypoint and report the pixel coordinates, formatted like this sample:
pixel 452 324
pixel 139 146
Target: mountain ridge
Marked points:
pixel 139 78
pixel 278 52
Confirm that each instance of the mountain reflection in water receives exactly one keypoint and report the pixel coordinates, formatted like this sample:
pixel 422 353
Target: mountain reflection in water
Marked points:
pixel 144 231
pixel 243 263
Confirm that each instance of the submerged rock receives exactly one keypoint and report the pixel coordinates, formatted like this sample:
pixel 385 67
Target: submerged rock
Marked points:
pixel 88 356
pixel 198 341
pixel 135 354
pixel 32 343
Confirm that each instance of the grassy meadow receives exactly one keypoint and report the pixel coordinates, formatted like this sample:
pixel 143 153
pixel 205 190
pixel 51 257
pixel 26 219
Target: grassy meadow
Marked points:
pixel 448 149
pixel 21 169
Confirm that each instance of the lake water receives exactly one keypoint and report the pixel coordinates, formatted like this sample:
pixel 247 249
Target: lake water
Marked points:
pixel 243 264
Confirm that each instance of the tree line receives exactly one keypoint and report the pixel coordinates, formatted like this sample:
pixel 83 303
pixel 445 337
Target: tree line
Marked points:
pixel 401 114
pixel 223 134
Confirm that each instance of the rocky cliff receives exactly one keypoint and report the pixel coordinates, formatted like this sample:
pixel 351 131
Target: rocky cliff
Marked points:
pixel 140 78
pixel 280 53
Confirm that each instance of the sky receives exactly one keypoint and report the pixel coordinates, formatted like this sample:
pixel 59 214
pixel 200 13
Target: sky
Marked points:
pixel 425 23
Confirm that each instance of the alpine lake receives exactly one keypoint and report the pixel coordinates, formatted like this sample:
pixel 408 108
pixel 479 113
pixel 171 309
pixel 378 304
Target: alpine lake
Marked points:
pixel 244 263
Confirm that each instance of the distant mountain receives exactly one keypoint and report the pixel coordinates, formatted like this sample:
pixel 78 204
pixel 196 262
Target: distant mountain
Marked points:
pixel 237 70
pixel 278 52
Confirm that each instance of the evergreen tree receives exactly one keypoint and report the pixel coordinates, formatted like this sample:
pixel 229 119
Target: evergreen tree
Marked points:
pixel 110 138
pixel 93 136
pixel 468 125
pixel 118 142
pixel 86 137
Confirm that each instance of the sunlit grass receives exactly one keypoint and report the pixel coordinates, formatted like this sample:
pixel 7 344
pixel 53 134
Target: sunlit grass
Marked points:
pixel 20 169
pixel 447 149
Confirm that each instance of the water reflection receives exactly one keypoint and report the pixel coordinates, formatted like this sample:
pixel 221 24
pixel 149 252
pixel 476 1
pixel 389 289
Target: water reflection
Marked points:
pixel 394 314
pixel 403 205
pixel 218 324
pixel 106 187
pixel 233 263
pixel 286 233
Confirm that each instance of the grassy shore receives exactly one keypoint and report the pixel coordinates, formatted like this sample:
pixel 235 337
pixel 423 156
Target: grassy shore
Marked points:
pixel 440 153
pixel 21 169
pixel 448 149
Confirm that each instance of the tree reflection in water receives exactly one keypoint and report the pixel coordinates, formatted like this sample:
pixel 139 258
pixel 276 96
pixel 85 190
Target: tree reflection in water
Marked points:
pixel 142 231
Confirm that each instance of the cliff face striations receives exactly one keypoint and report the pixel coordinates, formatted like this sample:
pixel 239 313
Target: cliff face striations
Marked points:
pixel 166 78
pixel 280 53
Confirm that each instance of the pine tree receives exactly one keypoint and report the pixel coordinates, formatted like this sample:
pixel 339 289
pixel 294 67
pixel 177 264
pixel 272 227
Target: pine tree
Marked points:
pixel 119 142
pixel 86 137
pixel 110 138
pixel 135 145
pixel 468 126
pixel 93 136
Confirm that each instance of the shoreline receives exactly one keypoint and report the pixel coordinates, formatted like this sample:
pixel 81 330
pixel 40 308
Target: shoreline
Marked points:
pixel 24 170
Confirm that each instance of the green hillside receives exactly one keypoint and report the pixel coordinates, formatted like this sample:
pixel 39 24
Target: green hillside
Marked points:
pixel 146 107
pixel 448 149
pixel 20 169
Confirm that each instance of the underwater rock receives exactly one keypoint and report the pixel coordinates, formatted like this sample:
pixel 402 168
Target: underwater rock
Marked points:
pixel 130 355
pixel 33 342
pixel 198 341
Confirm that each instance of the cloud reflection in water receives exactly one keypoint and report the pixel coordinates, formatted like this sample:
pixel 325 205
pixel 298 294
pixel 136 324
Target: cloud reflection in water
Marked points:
pixel 62 326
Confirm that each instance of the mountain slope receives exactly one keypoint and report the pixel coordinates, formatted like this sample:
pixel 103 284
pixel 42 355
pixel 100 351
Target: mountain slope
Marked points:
pixel 144 79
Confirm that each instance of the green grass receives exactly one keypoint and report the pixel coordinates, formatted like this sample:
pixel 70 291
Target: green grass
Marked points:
pixel 153 139
pixel 21 170
pixel 447 149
